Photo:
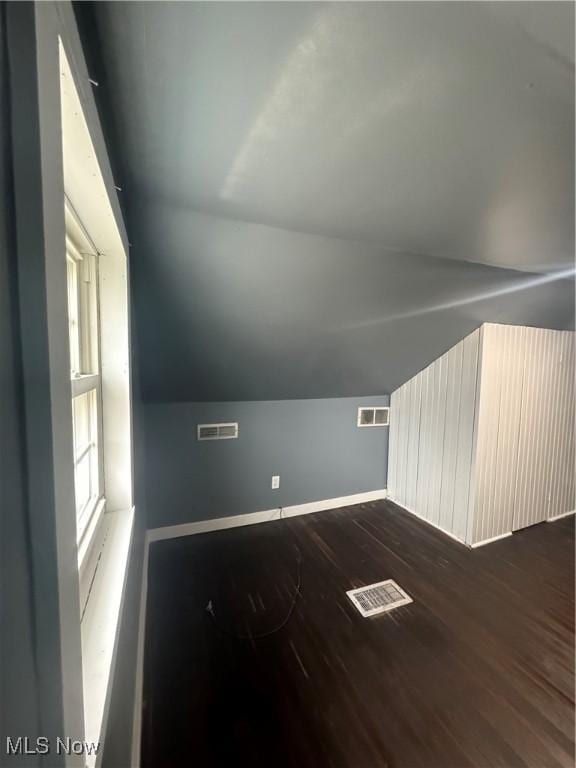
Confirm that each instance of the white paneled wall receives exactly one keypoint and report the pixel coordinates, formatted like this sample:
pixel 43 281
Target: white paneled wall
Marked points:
pixel 482 440
pixel 431 439
pixel 525 440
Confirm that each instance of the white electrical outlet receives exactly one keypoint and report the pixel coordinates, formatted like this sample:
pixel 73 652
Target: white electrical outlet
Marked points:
pixel 275 482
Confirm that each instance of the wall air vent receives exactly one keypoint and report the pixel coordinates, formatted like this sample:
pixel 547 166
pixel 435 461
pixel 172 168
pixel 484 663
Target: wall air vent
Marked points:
pixel 373 416
pixel 378 598
pixel 226 431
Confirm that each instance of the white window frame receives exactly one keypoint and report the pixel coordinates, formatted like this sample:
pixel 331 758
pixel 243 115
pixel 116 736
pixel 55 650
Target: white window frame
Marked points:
pixel 104 552
pixel 374 409
pixel 85 366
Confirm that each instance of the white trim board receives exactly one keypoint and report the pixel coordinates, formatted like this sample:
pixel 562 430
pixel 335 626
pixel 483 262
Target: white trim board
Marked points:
pixel 429 522
pixel 509 533
pixel 447 533
pixel 205 526
pixel 559 517
pixel 266 516
pixel 492 539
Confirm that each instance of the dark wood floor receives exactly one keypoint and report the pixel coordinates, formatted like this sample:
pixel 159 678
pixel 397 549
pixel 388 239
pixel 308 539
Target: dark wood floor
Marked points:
pixel 477 671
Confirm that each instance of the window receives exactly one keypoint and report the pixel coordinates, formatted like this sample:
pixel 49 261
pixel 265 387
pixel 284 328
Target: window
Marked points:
pixel 82 283
pixel 96 264
pixel 373 416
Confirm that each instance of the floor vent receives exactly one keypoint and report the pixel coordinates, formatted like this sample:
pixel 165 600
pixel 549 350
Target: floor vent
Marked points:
pixel 378 598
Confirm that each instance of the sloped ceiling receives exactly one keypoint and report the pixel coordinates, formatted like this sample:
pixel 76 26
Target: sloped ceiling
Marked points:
pixel 322 198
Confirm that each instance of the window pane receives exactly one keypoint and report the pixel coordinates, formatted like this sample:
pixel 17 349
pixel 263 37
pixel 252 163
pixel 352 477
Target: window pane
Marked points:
pixel 73 315
pixel 88 315
pixel 86 469
pixel 81 418
pixel 82 312
pixel 82 484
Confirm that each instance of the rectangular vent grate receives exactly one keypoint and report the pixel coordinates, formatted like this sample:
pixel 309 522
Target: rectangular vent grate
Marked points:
pixel 373 416
pixel 218 431
pixel 378 598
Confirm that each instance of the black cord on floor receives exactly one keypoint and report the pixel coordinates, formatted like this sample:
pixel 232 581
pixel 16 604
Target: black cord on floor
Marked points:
pixel 282 624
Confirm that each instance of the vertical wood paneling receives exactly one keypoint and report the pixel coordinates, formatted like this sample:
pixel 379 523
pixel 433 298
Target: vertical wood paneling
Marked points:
pixel 559 451
pixel 524 469
pixel 439 435
pixel 568 364
pixel 402 443
pixel 568 426
pixel 392 444
pixel 521 493
pixel 406 456
pixel 396 414
pixel 533 425
pixel 542 489
pixel 562 489
pixel 504 354
pixel 528 508
pixel 433 441
pixel 423 448
pixel 431 438
pixel 489 435
pixel 466 457
pixel 413 442
pixel 483 439
pixel 431 465
pixel 510 411
pixel 454 357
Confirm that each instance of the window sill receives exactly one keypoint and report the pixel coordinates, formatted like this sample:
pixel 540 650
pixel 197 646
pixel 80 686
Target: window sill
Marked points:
pixel 101 619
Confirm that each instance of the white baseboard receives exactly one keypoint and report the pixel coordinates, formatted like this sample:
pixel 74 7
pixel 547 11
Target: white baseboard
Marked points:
pixel 205 526
pixel 509 533
pixel 452 536
pixel 266 516
pixel 559 517
pixel 429 522
pixel 489 541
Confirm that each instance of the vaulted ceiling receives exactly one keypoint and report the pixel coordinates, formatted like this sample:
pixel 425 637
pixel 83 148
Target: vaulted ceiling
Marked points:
pixel 324 197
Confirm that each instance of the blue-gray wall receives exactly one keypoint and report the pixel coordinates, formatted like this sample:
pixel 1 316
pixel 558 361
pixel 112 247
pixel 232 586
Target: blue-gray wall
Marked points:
pixel 314 445
pixel 244 311
pixel 19 684
pixel 309 260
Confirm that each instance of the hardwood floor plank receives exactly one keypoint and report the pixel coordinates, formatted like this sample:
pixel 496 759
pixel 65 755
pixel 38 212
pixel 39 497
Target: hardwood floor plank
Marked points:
pixel 478 671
